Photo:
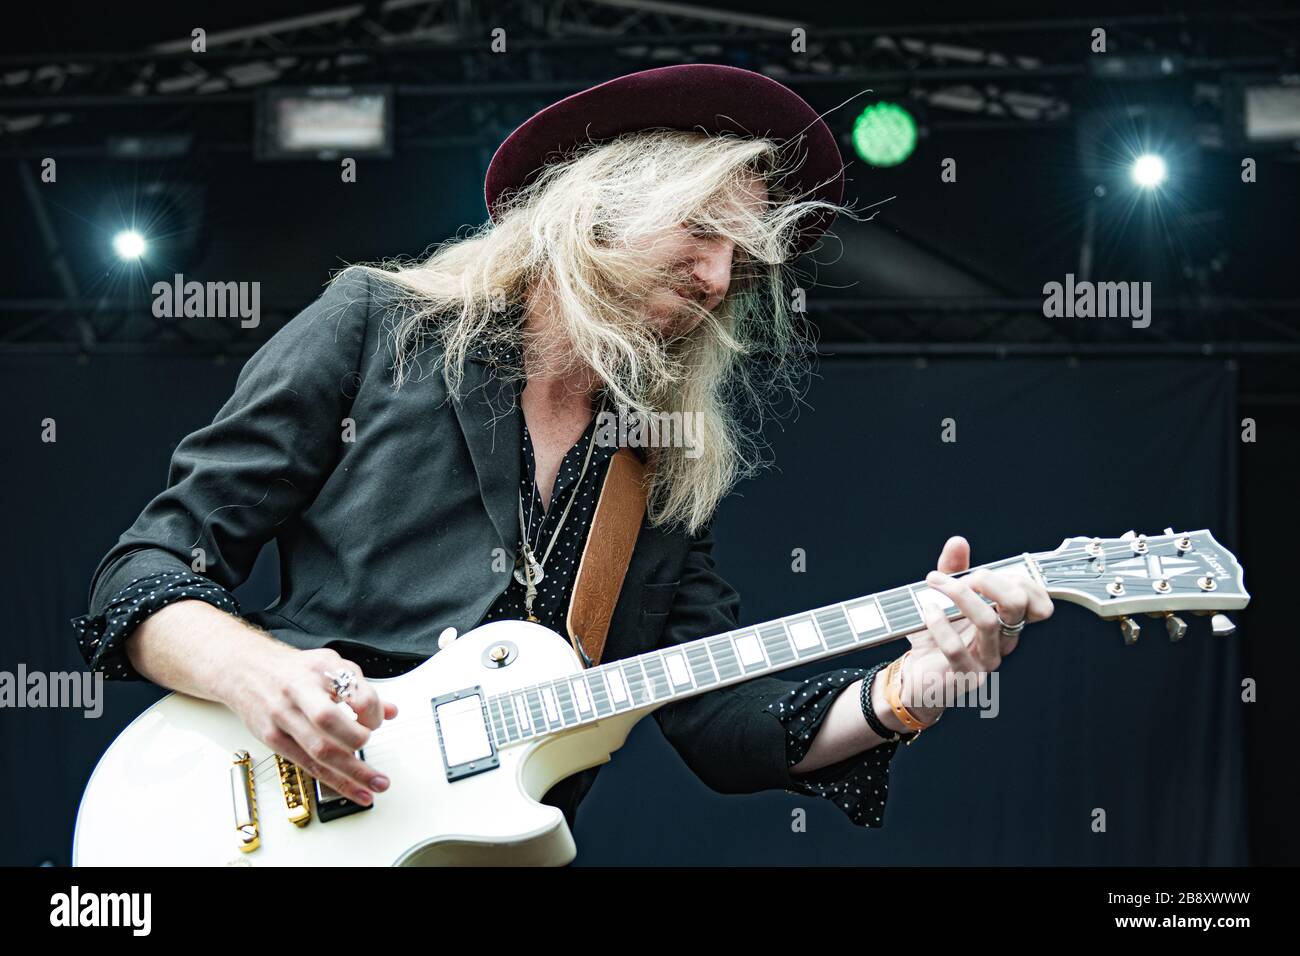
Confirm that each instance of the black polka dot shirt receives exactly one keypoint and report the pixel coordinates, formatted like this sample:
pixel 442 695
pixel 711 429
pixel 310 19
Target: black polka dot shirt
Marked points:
pixel 857 785
pixel 551 605
pixel 101 638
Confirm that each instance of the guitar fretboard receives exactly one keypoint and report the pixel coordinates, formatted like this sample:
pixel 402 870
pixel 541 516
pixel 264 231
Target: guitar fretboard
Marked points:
pixel 678 671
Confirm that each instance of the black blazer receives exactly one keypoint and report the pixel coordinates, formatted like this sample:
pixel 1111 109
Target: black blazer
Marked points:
pixel 388 538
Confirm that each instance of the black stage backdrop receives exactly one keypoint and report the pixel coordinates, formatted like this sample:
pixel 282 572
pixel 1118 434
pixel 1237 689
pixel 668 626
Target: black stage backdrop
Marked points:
pixel 1045 449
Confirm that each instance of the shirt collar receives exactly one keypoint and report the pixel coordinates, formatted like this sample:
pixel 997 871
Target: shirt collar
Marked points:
pixel 498 354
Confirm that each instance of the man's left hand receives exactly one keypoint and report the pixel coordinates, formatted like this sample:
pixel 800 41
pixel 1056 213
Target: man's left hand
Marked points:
pixel 975 644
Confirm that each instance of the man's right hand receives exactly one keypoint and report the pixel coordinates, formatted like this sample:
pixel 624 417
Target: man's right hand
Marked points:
pixel 280 692
pixel 286 701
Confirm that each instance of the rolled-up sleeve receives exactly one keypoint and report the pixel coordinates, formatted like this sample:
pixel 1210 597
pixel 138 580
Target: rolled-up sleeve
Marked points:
pixel 857 785
pixel 101 637
pixel 231 483
pixel 745 738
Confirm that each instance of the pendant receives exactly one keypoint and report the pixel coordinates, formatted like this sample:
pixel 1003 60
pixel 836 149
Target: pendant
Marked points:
pixel 534 567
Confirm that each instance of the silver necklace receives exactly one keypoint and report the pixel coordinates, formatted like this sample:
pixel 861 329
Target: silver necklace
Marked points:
pixel 529 571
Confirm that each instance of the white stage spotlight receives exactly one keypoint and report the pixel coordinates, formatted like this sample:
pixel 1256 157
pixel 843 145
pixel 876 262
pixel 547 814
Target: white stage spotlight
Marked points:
pixel 1149 171
pixel 129 244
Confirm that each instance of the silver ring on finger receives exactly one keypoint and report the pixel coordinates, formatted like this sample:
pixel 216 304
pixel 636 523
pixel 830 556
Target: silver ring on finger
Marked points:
pixel 342 684
pixel 1011 630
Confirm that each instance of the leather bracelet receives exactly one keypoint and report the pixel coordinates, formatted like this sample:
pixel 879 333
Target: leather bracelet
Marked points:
pixel 893 691
pixel 869 712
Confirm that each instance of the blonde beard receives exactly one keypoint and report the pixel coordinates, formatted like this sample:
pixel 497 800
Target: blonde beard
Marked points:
pixel 664 371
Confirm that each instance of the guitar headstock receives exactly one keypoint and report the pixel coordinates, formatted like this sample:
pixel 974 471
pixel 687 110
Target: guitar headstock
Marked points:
pixel 1158 575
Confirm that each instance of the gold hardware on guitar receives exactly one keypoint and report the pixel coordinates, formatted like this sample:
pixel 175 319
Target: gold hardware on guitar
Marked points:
pixel 297 795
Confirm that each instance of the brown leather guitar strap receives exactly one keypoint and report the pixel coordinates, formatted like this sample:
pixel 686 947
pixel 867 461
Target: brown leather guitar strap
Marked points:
pixel 614 529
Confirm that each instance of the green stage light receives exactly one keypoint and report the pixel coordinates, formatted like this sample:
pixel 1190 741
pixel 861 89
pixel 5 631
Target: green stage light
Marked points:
pixel 884 134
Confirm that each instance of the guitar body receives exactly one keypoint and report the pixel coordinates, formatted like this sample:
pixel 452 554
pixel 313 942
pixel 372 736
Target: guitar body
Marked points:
pixel 162 794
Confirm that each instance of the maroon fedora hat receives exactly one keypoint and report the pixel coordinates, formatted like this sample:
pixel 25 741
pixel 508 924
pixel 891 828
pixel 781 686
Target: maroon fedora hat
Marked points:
pixel 693 96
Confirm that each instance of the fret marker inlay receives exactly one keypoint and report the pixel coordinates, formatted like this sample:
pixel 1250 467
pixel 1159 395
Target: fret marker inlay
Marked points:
pixel 929 597
pixel 866 617
pixel 677 669
pixel 580 692
pixel 617 689
pixel 747 648
pixel 805 635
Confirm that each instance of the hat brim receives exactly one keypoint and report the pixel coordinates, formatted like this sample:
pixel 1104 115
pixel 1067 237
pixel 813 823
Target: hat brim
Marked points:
pixel 706 97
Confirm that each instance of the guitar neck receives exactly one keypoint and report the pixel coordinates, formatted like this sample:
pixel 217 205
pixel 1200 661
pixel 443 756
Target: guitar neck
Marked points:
pixel 650 680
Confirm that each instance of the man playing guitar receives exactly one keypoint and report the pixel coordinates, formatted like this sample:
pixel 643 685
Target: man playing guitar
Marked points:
pixel 421 420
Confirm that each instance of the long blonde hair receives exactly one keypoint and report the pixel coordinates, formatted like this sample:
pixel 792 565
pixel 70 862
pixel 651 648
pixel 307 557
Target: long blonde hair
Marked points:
pixel 576 235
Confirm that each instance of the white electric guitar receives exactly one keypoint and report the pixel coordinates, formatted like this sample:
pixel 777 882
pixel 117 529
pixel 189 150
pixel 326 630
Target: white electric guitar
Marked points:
pixel 488 724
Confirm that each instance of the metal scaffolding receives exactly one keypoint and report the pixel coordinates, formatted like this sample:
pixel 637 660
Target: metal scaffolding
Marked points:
pixel 972 76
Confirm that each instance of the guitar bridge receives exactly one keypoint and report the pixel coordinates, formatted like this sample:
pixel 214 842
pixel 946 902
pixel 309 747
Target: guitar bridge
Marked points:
pixel 293 784
pixel 243 795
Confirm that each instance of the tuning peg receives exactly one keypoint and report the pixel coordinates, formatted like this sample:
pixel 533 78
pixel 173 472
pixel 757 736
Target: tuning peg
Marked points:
pixel 1130 629
pixel 1222 626
pixel 1168 531
pixel 1176 627
pixel 446 638
pixel 1128 535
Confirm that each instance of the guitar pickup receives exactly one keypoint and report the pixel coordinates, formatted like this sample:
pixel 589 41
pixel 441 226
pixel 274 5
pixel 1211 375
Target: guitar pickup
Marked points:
pixel 297 796
pixel 243 795
pixel 461 720
pixel 330 804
